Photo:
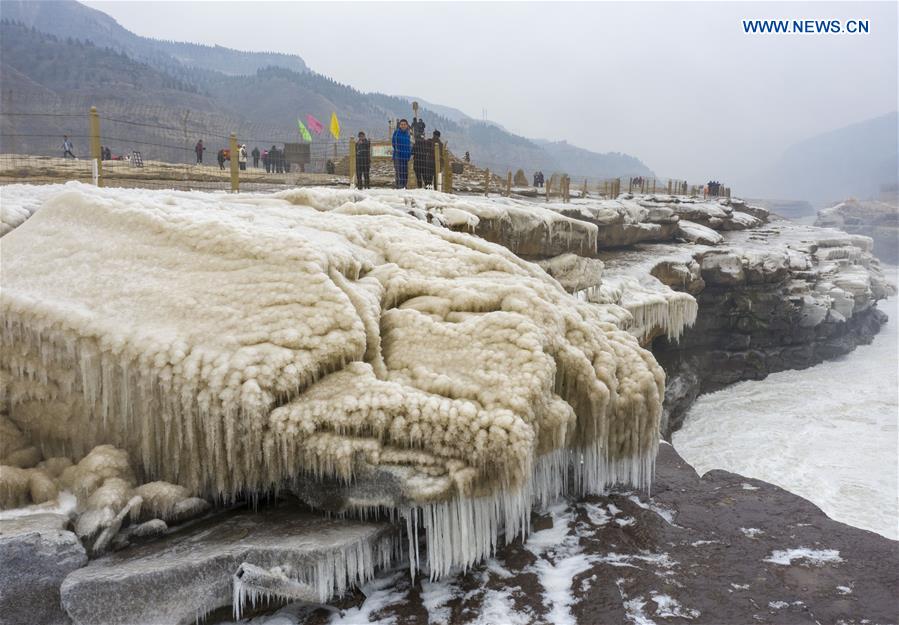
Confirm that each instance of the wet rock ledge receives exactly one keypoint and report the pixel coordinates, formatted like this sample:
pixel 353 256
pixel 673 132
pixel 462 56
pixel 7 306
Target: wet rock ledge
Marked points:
pixel 716 550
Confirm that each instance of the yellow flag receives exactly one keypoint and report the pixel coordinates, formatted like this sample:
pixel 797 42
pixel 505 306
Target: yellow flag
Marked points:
pixel 335 126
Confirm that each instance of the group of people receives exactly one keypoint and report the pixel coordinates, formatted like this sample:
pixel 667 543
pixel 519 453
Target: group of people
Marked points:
pixel 714 188
pixel 421 151
pixel 68 150
pixel 637 182
pixel 539 179
pixel 272 160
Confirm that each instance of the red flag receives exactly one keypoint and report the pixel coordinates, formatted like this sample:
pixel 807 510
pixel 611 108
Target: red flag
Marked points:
pixel 314 125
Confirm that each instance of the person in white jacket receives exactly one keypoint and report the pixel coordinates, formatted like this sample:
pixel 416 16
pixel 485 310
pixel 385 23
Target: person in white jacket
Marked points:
pixel 242 157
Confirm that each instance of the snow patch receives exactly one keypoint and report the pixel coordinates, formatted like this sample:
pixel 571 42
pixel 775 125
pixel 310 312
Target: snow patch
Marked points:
pixel 814 557
pixel 668 607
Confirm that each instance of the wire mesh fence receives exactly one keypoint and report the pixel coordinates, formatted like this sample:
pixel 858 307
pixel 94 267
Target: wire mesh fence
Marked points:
pixel 149 147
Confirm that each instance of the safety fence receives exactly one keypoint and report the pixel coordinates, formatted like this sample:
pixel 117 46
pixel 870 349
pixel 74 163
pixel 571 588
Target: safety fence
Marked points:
pixel 148 147
pixel 141 150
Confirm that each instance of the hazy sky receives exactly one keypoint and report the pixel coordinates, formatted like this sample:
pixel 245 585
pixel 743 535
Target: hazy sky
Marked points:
pixel 676 84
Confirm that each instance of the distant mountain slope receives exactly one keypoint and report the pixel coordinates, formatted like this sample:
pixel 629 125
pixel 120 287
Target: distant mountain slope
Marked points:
pixel 580 162
pixel 67 18
pixel 258 95
pixel 855 161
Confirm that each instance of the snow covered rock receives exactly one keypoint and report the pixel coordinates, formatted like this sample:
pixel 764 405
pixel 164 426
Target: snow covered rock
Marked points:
pixel 697 233
pixel 181 577
pixel 236 343
pixel 528 229
pixel 574 273
pixel 623 221
pixel 36 554
pixel 723 268
pixel 878 220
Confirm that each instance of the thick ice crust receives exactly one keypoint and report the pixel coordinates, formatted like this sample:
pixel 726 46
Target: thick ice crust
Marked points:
pixel 233 343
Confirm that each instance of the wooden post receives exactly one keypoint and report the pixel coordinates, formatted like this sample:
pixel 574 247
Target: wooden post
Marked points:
pixel 584 192
pixel 653 186
pixel 235 175
pixel 95 144
pixel 509 184
pixel 548 185
pixel 351 162
pixel 669 186
pixel 486 182
pixel 605 188
pixel 447 171
pixel 437 168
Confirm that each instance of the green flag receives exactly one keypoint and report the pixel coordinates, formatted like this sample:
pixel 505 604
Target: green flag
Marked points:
pixel 305 133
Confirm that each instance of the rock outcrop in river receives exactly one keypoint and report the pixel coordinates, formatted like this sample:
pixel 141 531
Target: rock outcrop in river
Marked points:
pixel 878 220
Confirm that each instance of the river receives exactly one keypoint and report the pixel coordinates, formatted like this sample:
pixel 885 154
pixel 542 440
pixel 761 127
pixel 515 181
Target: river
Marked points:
pixel 828 433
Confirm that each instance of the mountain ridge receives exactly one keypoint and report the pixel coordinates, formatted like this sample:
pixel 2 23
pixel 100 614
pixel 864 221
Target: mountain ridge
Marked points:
pixel 856 160
pixel 262 93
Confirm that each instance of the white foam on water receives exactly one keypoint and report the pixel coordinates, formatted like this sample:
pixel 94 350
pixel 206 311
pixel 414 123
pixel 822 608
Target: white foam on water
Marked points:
pixel 827 433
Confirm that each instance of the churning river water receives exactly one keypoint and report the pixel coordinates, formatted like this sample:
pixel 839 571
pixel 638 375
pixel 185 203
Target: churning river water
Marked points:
pixel 827 433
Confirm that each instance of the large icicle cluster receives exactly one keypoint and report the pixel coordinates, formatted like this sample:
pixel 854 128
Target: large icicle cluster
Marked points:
pixel 652 305
pixel 231 344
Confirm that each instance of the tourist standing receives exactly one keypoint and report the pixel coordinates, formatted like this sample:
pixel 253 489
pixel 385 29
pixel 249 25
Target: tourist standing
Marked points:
pixel 242 157
pixel 199 149
pixel 363 162
pixel 402 150
pixel 435 145
pixel 255 154
pixel 420 159
pixel 67 148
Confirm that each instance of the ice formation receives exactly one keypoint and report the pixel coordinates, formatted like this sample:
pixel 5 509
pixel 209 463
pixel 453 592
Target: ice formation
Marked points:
pixel 576 274
pixel 18 202
pixel 233 344
pixel 98 493
pixel 651 304
pixel 526 228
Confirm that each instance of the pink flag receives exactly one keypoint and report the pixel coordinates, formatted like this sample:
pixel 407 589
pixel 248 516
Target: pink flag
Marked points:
pixel 314 125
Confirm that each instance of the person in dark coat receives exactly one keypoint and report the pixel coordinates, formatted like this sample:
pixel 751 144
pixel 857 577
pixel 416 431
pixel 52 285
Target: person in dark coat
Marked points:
pixel 274 156
pixel 420 161
pixel 402 151
pixel 265 160
pixel 199 149
pixel 255 154
pixel 221 158
pixel 363 162
pixel 418 129
pixel 433 144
